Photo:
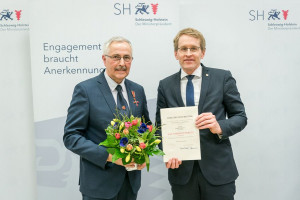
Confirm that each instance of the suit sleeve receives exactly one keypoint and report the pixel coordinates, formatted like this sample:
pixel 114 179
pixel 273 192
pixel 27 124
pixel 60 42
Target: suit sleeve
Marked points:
pixel 76 128
pixel 236 115
pixel 161 103
pixel 145 109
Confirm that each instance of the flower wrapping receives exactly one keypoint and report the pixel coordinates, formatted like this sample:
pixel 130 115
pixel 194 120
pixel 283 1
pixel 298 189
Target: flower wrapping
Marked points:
pixel 131 140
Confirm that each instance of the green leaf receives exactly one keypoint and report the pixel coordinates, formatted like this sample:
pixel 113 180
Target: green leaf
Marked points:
pixel 111 139
pixel 104 143
pixel 124 161
pixel 115 157
pixel 145 135
pixel 111 150
pixel 147 162
pixel 150 136
pixel 139 160
pixel 149 153
pixel 154 129
pixel 119 154
pixel 158 152
pixel 141 140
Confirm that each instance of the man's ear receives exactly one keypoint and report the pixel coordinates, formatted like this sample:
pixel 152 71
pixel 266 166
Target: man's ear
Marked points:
pixel 203 54
pixel 104 58
pixel 176 55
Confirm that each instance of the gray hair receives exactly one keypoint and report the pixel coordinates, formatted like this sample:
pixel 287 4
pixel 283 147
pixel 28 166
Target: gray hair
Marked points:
pixel 114 39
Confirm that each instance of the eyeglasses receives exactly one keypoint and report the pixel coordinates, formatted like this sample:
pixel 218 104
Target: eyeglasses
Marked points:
pixel 192 49
pixel 118 58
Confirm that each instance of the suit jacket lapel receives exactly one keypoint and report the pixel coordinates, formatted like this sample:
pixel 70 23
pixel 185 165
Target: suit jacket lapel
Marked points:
pixel 106 92
pixel 130 90
pixel 176 89
pixel 204 87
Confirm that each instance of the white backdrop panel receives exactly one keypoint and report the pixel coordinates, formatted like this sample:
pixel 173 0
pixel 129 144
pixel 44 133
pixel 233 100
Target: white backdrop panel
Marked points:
pixel 265 63
pixel 92 22
pixel 17 153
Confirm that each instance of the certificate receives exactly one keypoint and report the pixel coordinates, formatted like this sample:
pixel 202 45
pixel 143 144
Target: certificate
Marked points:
pixel 180 137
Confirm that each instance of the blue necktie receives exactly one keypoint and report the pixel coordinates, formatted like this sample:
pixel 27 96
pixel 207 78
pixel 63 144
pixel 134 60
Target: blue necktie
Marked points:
pixel 121 102
pixel 190 91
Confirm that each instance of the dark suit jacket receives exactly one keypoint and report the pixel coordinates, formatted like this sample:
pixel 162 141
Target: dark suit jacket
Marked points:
pixel 91 110
pixel 220 96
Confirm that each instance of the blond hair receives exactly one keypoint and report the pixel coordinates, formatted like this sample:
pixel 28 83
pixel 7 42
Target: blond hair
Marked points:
pixel 190 32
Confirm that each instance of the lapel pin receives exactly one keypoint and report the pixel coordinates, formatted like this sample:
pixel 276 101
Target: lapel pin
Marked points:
pixel 206 74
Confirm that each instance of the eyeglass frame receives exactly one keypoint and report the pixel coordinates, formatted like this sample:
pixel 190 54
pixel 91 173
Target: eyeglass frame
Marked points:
pixel 118 58
pixel 185 51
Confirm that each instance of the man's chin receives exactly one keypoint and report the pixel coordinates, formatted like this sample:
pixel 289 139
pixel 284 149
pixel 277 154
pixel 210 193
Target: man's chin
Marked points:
pixel 121 76
pixel 189 67
pixel 120 73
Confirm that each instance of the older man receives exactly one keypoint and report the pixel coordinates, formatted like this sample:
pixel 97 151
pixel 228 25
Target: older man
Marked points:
pixel 221 115
pixel 93 106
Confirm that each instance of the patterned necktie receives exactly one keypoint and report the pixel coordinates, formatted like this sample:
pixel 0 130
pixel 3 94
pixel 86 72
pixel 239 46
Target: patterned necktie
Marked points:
pixel 190 91
pixel 121 102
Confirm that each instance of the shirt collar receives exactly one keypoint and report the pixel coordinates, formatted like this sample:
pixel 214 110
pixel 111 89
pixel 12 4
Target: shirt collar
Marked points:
pixel 197 73
pixel 112 84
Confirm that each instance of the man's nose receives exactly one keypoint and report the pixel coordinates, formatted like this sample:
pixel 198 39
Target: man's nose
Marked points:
pixel 122 62
pixel 188 53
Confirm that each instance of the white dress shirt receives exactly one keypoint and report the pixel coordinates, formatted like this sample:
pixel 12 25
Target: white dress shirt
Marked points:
pixel 112 86
pixel 197 80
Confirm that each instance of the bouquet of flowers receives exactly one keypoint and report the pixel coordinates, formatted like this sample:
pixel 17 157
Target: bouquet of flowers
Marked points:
pixel 132 140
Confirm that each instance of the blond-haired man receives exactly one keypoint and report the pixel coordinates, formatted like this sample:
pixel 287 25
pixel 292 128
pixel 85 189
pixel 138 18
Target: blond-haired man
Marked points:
pixel 221 115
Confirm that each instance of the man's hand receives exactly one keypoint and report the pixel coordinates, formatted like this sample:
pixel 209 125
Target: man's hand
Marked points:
pixel 173 163
pixel 140 167
pixel 208 120
pixel 119 162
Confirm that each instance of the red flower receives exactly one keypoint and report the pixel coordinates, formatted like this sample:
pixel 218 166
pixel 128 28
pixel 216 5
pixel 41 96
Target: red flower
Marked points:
pixel 118 136
pixel 142 145
pixel 134 122
pixel 123 107
pixel 149 127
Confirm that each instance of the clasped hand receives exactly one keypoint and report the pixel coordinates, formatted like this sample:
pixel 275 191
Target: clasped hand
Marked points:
pixel 130 165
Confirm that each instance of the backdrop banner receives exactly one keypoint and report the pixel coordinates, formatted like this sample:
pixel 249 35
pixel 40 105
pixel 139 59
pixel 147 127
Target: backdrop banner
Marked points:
pixel 66 40
pixel 257 41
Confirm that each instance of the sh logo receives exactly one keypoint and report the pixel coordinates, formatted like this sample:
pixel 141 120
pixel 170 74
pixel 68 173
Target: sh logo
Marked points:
pixel 273 14
pixel 139 9
pixel 7 15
